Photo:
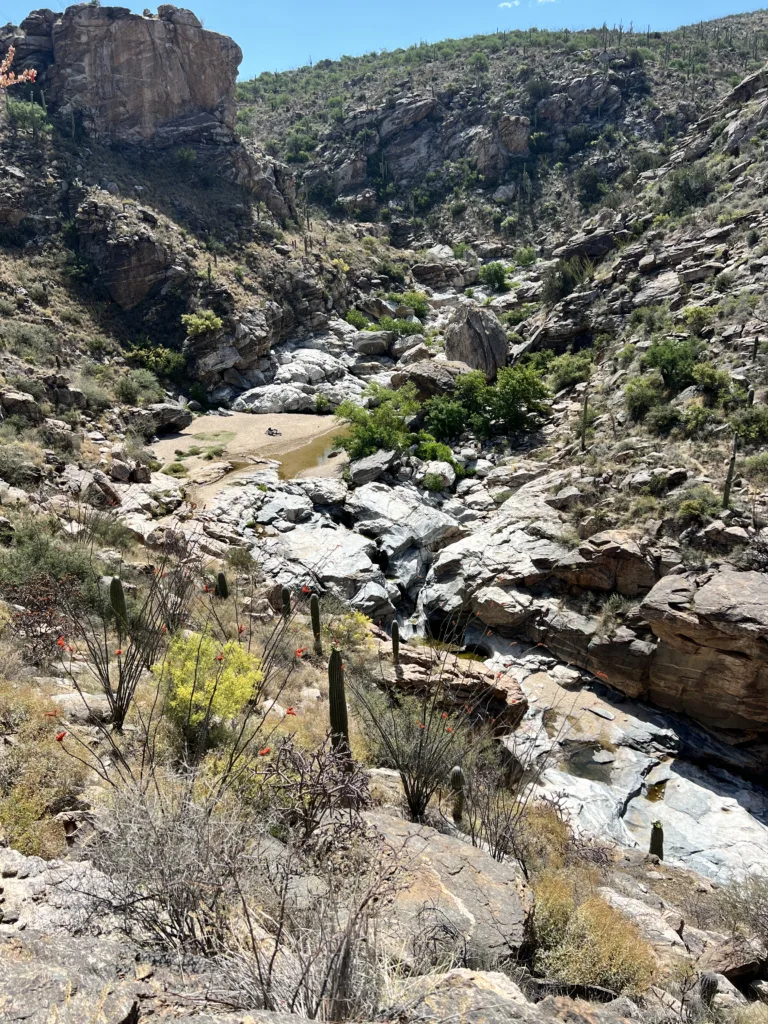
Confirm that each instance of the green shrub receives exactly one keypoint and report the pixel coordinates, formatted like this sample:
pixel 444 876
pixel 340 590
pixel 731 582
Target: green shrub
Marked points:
pixel 662 419
pixel 716 384
pixel 641 394
pixel 519 392
pixel 431 450
pixel 697 318
pixel 494 277
pixel 686 187
pixel 27 117
pixel 161 361
pixel 201 323
pixel 402 328
pixel 206 683
pixel 382 427
pixel 433 482
pixel 696 504
pixel 751 424
pixel 569 369
pixel 138 387
pixel 417 301
pixel 525 256
pixel 697 420
pixel 357 319
pixel 393 271
pixel 566 275
pixel 755 468
pixel 588 181
pixel 446 417
pixel 675 359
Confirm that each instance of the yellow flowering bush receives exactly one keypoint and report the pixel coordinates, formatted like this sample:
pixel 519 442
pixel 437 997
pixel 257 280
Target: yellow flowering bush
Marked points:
pixel 207 680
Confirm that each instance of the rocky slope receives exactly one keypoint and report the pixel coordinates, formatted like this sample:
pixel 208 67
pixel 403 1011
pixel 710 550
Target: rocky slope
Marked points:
pixel 592 561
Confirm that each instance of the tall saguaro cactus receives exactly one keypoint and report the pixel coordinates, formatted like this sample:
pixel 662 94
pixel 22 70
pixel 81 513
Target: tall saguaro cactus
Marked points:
pixel 395 643
pixel 338 703
pixel 657 840
pixel 457 785
pixel 119 607
pixel 285 596
pixel 222 587
pixel 731 472
pixel 314 614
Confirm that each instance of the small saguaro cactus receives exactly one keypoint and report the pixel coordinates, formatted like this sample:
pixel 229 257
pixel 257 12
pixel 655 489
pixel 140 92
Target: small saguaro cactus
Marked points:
pixel 314 614
pixel 222 587
pixel 457 785
pixel 657 840
pixel 285 596
pixel 337 699
pixel 119 607
pixel 731 473
pixel 395 643
pixel 584 420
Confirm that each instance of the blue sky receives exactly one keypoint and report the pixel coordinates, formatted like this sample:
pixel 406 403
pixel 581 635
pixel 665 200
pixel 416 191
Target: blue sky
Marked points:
pixel 281 34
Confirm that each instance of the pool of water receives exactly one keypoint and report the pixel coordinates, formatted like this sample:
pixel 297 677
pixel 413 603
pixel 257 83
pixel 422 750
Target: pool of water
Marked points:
pixel 310 456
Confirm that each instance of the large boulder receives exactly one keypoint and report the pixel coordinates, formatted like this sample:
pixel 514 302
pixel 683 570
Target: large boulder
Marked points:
pixel 514 132
pixel 430 377
pixel 611 561
pixel 476 337
pixel 711 659
pixel 21 404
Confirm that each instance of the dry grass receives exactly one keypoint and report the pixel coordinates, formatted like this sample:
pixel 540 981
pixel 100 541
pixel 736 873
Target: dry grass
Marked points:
pixel 582 940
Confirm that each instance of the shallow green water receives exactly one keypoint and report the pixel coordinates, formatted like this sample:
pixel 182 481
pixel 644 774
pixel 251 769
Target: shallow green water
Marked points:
pixel 309 456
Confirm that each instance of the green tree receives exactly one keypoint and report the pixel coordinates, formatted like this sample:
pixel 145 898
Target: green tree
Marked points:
pixel 381 427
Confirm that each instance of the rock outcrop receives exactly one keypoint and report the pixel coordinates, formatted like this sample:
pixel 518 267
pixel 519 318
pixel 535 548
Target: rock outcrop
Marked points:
pixel 131 77
pixel 475 337
pixel 712 656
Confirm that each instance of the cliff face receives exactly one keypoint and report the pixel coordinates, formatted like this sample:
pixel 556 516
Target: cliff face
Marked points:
pixel 161 79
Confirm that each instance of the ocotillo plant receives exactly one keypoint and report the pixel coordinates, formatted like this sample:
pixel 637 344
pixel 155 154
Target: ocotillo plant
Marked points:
pixel 314 614
pixel 222 587
pixel 285 596
pixel 337 699
pixel 657 840
pixel 119 607
pixel 457 785
pixel 395 643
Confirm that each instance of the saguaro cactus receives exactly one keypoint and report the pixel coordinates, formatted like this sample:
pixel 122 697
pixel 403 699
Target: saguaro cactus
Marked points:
pixel 337 699
pixel 119 607
pixel 222 587
pixel 314 614
pixel 731 473
pixel 457 785
pixel 285 595
pixel 657 840
pixel 395 643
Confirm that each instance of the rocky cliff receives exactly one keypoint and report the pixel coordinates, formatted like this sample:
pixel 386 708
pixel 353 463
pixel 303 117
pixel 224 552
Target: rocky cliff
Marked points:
pixel 133 78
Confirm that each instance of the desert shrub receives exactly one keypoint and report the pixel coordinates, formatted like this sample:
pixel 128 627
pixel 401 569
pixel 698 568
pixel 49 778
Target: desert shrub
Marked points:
pixel 519 392
pixel 745 902
pixel 34 552
pixel 697 420
pixel 751 424
pixel 587 181
pixel 203 322
pixel 431 450
pixel 402 328
pixel 662 419
pixel 642 393
pixel 19 462
pixel 696 504
pixel 207 683
pixel 525 256
pixel 138 387
pixel 716 384
pixel 357 319
pixel 582 940
pixel 37 779
pixel 417 301
pixel 391 270
pixel 756 468
pixel 382 427
pixel 433 482
pixel 27 117
pixel 686 187
pixel 675 359
pixel 494 276
pixel 161 361
pixel 569 369
pixel 446 417
pixel 566 275
pixel 697 318
pixel 349 631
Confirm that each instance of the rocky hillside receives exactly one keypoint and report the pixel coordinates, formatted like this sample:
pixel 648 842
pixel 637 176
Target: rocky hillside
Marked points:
pixel 485 688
